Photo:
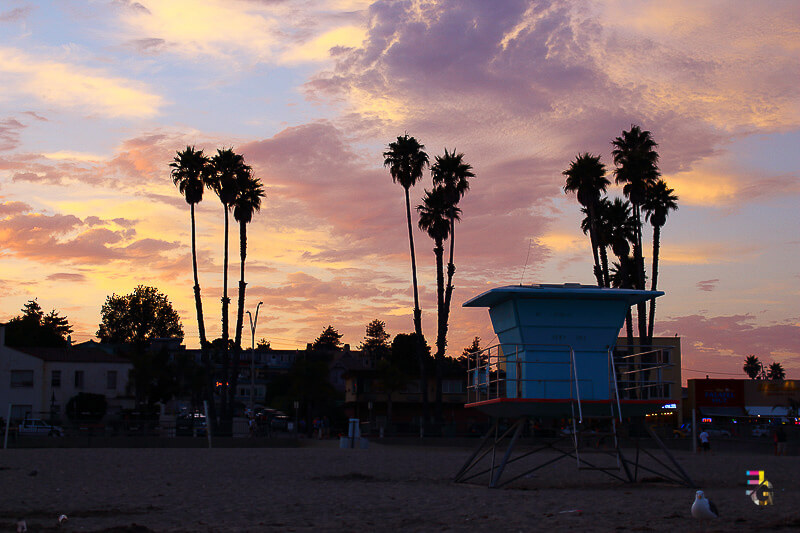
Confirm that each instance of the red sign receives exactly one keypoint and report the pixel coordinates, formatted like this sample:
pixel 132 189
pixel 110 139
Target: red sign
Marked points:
pixel 719 392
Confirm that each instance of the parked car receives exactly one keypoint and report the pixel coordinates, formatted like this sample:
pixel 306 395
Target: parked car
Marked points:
pixel 761 431
pixel 187 425
pixel 716 433
pixel 34 426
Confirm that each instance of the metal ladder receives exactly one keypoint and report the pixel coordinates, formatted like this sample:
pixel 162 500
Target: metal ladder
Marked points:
pixel 580 435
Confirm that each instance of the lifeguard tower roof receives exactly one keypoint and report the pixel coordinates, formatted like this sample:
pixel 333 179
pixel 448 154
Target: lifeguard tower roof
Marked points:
pixel 559 291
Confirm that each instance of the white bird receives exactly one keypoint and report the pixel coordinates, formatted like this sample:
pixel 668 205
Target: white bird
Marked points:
pixel 61 519
pixel 703 508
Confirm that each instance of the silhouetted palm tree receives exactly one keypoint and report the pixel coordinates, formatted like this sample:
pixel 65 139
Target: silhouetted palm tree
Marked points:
pixel 637 169
pixel 250 191
pixel 406 159
pixel 658 202
pixel 226 167
pixel 623 276
pixel 434 213
pixel 190 173
pixel 776 371
pixel 189 170
pixel 451 173
pixel 586 176
pixel 752 366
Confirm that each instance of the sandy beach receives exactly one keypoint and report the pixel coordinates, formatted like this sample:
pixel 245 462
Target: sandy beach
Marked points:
pixel 403 488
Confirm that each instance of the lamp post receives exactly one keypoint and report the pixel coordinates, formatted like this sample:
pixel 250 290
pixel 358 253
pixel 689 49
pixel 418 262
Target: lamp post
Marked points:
pixel 253 322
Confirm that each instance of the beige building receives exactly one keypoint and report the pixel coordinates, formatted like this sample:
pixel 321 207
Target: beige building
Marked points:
pixel 36 380
pixel 666 353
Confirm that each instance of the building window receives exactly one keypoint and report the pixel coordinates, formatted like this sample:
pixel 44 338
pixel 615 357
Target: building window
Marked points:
pixel 22 379
pixel 111 380
pixel 79 379
pixel 55 379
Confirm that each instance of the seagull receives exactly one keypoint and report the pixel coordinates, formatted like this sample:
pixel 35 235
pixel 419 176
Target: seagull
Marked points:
pixel 703 508
pixel 61 519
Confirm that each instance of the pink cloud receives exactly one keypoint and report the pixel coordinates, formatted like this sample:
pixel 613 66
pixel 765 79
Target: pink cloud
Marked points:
pixel 720 343
pixel 10 130
pixel 707 285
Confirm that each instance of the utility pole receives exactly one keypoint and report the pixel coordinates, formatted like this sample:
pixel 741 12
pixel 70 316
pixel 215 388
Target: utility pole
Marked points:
pixel 253 322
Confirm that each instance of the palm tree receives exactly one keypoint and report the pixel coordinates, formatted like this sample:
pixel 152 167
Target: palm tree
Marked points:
pixel 452 173
pixel 250 191
pixel 434 219
pixel 190 173
pixel 406 159
pixel 623 276
pixel 586 176
pixel 637 169
pixel 226 167
pixel 776 371
pixel 659 201
pixel 752 366
pixel 189 168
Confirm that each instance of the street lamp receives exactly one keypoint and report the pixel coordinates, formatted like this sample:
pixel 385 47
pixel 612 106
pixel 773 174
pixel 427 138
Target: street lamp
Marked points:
pixel 253 322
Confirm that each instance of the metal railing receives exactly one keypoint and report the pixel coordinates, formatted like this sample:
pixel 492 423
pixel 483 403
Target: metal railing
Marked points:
pixel 500 372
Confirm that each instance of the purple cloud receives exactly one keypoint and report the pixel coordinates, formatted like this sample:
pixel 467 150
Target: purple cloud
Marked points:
pixel 708 285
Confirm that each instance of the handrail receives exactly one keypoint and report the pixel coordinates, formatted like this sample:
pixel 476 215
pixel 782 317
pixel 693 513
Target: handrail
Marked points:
pixel 577 387
pixel 616 385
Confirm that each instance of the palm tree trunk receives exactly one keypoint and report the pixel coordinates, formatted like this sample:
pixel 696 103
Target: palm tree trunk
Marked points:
pixel 198 302
pixel 420 348
pixel 593 238
pixel 237 349
pixel 440 337
pixel 201 330
pixel 656 249
pixel 604 264
pixel 225 301
pixel 448 293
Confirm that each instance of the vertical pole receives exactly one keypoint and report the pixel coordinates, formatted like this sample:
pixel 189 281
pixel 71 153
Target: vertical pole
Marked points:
pixel 8 423
pixel 208 424
pixel 694 430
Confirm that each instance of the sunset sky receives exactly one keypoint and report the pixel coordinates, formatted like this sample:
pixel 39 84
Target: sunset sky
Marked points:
pixel 98 95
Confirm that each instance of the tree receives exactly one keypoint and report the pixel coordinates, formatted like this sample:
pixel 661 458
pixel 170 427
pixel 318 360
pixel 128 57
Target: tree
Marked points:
pixel 637 169
pixel 623 276
pixel 776 371
pixel 191 173
pixel 586 176
pixel 752 366
pixel 139 317
pixel 452 174
pixel 263 344
pixel 434 220
pixel 328 340
pixel 226 169
pixel 34 328
pixel 249 192
pixel 658 202
pixel 376 340
pixel 406 159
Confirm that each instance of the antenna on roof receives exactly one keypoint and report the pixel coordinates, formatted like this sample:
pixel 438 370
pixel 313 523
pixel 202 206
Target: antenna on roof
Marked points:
pixel 530 243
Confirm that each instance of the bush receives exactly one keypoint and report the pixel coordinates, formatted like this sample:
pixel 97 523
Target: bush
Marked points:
pixel 87 406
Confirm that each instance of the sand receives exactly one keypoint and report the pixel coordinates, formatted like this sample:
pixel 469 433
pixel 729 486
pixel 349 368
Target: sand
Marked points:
pixel 383 488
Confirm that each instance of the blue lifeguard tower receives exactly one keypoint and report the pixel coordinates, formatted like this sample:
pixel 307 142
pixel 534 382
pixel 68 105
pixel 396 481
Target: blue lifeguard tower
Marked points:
pixel 556 360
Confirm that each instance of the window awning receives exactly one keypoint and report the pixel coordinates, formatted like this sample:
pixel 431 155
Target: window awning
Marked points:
pixel 767 410
pixel 723 411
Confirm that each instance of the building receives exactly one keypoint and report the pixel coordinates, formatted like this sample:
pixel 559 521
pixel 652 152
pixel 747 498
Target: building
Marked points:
pixel 726 402
pixel 665 352
pixel 37 382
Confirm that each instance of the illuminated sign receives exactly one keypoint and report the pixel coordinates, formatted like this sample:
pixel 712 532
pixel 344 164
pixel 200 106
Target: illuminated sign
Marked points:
pixel 670 406
pixel 762 494
pixel 705 420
